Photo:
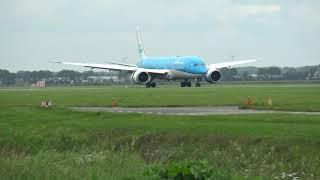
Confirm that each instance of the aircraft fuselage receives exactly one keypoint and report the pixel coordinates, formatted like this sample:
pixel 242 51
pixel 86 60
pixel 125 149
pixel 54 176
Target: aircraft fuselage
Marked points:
pixel 179 66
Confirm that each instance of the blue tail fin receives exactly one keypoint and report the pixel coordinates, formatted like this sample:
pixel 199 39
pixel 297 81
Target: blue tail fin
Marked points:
pixel 140 45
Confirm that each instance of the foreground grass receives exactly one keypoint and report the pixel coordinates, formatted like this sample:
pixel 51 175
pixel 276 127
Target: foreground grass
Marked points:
pixel 58 143
pixel 288 97
pixel 85 164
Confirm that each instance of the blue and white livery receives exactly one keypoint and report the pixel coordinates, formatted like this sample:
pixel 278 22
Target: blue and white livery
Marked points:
pixel 150 68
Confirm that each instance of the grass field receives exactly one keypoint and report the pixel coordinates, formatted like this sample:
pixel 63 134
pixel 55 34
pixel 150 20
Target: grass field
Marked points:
pixel 285 97
pixel 58 143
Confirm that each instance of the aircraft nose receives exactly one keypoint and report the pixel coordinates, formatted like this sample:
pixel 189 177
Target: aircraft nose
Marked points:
pixel 204 69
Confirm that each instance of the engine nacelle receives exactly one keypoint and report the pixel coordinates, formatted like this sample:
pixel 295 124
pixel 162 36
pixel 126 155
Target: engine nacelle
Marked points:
pixel 213 76
pixel 140 77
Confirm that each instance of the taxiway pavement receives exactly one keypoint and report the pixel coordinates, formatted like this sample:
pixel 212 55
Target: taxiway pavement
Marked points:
pixel 210 110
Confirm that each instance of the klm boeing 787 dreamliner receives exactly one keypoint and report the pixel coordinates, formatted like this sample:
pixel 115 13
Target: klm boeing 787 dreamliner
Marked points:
pixel 182 68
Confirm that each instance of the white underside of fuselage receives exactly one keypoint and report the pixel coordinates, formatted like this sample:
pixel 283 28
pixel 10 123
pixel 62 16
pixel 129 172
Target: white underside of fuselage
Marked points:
pixel 176 74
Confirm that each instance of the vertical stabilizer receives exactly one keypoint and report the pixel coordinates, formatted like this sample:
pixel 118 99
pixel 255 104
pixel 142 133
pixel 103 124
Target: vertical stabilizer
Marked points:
pixel 140 45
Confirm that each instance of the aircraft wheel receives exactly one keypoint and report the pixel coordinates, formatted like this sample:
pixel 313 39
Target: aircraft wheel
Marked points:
pixel 183 84
pixel 198 84
pixel 188 84
pixel 153 85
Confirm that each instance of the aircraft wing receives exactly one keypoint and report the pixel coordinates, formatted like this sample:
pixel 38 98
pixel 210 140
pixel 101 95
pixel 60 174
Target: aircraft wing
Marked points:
pixel 114 67
pixel 121 64
pixel 232 63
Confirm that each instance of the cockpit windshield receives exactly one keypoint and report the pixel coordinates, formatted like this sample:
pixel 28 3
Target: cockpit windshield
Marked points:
pixel 201 64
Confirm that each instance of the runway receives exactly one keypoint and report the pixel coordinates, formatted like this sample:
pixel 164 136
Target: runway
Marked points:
pixel 193 111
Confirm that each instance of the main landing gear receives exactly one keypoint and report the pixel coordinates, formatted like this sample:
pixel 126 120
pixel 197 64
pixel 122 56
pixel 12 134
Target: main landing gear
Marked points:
pixel 151 85
pixel 186 84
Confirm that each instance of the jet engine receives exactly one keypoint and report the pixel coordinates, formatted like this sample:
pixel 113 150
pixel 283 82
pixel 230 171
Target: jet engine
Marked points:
pixel 213 76
pixel 140 77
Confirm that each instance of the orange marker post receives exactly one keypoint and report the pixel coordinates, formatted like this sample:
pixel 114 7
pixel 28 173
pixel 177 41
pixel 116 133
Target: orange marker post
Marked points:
pixel 249 102
pixel 114 103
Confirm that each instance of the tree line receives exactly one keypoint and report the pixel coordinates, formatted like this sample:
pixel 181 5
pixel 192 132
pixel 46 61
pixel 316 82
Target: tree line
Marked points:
pixel 61 77
pixel 271 73
pixel 233 74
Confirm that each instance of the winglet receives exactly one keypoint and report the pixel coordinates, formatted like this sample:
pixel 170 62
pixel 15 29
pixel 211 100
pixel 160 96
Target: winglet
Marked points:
pixel 55 62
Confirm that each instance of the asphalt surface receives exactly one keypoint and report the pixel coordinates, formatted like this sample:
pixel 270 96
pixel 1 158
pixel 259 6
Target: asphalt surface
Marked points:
pixel 211 110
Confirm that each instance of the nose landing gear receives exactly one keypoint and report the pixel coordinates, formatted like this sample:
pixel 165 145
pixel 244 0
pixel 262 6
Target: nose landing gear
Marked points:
pixel 198 82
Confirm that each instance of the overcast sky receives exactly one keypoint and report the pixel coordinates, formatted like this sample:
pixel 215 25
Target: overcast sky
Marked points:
pixel 281 33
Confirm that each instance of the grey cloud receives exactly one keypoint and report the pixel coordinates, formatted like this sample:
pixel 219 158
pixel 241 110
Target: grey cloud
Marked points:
pixel 281 32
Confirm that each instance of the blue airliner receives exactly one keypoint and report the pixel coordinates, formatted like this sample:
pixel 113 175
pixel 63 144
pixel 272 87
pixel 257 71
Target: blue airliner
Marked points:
pixel 149 68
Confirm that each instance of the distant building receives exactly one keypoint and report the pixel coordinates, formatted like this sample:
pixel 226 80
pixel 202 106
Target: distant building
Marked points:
pixel 41 84
pixel 103 79
pixel 313 76
pixel 253 76
pixel 316 75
